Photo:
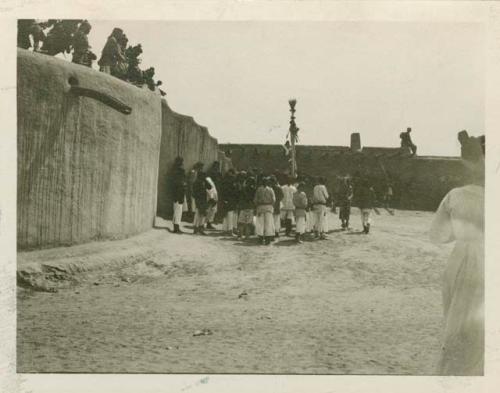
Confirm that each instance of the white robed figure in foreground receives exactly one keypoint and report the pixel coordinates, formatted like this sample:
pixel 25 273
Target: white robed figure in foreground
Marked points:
pixel 460 218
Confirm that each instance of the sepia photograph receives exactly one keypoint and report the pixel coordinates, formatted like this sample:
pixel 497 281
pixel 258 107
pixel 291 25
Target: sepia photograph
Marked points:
pixel 259 197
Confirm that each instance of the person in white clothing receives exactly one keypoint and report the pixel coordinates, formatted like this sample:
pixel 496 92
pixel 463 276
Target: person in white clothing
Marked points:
pixel 278 193
pixel 178 193
pixel 460 219
pixel 300 202
pixel 264 201
pixel 320 199
pixel 288 207
pixel 212 198
pixel 229 190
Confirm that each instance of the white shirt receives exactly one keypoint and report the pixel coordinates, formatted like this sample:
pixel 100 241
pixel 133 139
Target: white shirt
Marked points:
pixel 320 194
pixel 287 201
pixel 212 193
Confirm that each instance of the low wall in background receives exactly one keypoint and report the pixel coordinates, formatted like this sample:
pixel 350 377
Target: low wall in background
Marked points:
pixel 85 170
pixel 419 182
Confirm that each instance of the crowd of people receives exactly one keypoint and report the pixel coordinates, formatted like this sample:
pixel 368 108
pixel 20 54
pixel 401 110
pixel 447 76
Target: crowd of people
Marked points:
pixel 70 36
pixel 255 203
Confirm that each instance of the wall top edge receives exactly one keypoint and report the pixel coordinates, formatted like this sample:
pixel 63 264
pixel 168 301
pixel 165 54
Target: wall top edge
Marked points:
pixel 72 68
pixel 181 116
pixel 367 149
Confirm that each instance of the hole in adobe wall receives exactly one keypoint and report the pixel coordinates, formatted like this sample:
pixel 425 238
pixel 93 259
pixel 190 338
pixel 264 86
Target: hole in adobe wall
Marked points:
pixel 72 81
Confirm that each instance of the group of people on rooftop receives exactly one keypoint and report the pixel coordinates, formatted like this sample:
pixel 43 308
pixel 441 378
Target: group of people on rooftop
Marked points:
pixel 251 202
pixel 55 36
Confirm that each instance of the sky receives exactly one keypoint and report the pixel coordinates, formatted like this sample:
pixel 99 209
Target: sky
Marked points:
pixel 375 78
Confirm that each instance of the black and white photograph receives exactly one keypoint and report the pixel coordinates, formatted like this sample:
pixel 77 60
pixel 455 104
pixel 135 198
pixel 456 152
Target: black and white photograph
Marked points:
pixel 259 197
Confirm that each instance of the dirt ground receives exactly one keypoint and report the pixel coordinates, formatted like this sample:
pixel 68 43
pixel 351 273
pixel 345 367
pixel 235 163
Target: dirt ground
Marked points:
pixel 351 304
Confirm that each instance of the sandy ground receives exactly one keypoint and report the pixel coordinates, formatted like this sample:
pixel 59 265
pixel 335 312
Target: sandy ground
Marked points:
pixel 352 304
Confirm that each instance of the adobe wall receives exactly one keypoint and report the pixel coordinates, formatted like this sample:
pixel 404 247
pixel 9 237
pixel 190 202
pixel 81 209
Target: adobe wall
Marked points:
pixel 85 170
pixel 419 182
pixel 181 136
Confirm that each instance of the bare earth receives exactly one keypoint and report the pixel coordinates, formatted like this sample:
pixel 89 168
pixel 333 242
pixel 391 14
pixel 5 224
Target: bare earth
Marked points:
pixel 352 304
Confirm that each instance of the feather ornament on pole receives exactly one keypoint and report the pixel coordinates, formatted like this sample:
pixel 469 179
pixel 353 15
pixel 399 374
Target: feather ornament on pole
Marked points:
pixel 293 135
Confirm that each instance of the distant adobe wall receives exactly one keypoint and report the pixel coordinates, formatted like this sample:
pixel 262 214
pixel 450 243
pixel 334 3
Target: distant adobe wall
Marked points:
pixel 181 136
pixel 419 182
pixel 85 170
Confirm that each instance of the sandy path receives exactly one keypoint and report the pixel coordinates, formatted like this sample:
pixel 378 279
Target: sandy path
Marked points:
pixel 352 304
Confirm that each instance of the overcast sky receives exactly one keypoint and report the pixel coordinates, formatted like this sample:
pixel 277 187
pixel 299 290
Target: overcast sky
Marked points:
pixel 373 78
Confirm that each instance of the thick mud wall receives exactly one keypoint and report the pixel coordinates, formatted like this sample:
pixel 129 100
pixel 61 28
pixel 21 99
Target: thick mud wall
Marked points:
pixel 181 136
pixel 86 171
pixel 419 182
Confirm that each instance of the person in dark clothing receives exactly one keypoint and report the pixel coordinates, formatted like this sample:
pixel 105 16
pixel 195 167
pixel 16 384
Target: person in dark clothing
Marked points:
pixel 27 28
pixel 388 196
pixel 81 48
pixel 469 144
pixel 365 198
pixel 134 73
pixel 346 195
pixel 482 142
pixel 246 207
pixel 407 143
pixel 229 202
pixel 38 35
pixel 24 29
pixel 60 38
pixel 278 193
pixel 178 192
pixel 120 70
pixel 123 42
pixel 148 77
pixel 310 183
pixel 112 54
pixel 213 173
pixel 200 187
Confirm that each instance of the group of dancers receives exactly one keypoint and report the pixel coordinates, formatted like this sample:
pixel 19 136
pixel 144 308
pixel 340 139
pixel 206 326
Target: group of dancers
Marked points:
pixel 258 202
pixel 261 204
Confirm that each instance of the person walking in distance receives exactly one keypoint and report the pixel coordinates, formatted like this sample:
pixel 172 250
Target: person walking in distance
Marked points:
pixel 365 197
pixel 264 201
pixel 300 203
pixel 287 205
pixel 346 195
pixel 320 198
pixel 178 192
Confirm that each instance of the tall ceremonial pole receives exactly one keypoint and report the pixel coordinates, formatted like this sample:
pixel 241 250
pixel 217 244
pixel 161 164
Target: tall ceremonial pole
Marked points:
pixel 293 135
